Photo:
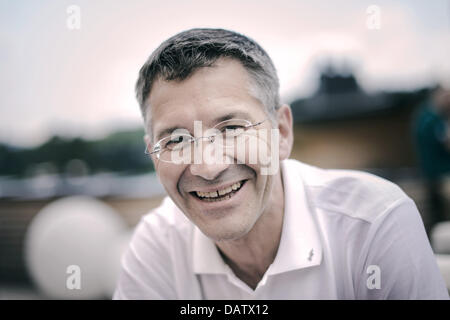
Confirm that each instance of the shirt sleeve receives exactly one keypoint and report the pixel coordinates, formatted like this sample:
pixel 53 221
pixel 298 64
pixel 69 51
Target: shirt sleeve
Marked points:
pixel 146 272
pixel 397 261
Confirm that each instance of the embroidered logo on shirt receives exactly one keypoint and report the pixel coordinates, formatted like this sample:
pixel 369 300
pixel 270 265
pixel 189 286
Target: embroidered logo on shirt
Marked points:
pixel 311 253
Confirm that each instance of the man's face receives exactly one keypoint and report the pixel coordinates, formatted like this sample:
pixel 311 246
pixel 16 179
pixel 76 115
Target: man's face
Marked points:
pixel 209 95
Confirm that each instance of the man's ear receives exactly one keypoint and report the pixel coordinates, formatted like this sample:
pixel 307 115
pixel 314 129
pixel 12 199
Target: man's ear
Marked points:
pixel 147 139
pixel 285 126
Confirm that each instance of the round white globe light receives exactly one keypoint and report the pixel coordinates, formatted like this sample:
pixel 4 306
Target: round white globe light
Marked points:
pixel 440 237
pixel 66 245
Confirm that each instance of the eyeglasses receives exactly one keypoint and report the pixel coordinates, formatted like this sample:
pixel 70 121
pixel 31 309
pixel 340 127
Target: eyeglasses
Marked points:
pixel 180 144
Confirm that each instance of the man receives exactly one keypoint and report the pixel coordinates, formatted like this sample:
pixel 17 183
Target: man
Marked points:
pixel 236 228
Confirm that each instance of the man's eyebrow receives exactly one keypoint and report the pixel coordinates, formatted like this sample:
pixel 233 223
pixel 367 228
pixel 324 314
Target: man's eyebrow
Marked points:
pixel 232 115
pixel 167 132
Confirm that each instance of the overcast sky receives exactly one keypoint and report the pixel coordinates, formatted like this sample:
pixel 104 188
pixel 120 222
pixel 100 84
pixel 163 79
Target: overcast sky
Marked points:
pixel 81 82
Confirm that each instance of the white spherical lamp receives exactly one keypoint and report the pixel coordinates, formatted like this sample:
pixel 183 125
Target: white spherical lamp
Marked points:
pixel 66 246
pixel 440 237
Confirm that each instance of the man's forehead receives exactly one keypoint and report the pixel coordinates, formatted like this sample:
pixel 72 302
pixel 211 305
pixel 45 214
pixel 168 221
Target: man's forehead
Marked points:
pixel 208 95
pixel 222 78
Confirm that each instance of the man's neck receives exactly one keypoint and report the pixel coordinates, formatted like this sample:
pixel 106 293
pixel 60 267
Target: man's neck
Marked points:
pixel 251 256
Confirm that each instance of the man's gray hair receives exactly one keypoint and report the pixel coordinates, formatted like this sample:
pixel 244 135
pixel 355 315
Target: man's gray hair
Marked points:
pixel 181 55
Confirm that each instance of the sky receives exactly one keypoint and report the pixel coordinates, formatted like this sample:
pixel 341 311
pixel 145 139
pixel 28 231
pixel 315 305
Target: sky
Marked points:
pixel 56 79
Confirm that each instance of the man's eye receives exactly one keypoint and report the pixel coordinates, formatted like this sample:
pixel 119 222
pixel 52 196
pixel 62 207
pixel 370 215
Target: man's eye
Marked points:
pixel 232 128
pixel 176 140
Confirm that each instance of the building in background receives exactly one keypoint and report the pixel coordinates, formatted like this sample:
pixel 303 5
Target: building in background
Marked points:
pixel 341 126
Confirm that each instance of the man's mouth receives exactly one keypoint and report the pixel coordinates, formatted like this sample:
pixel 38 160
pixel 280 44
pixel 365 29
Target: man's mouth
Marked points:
pixel 219 195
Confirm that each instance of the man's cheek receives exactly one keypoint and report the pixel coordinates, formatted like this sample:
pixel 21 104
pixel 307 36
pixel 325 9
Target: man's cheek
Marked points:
pixel 167 182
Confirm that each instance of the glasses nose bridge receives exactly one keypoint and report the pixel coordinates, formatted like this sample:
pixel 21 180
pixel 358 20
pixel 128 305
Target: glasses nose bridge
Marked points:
pixel 211 138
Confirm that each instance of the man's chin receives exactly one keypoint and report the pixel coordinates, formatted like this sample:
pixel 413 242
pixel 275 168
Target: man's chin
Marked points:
pixel 224 232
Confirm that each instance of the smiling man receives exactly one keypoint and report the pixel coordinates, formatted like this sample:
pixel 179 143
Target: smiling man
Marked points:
pixel 236 226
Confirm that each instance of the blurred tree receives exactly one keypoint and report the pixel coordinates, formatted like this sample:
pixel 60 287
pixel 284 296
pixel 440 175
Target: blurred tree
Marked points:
pixel 120 152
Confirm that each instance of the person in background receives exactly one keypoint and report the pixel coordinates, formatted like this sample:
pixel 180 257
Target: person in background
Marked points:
pixel 432 135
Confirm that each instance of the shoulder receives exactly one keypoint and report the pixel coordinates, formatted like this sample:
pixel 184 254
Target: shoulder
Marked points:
pixel 355 194
pixel 157 254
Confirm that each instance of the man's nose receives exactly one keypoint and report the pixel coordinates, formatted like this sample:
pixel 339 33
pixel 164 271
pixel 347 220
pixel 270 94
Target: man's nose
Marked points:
pixel 208 171
pixel 209 167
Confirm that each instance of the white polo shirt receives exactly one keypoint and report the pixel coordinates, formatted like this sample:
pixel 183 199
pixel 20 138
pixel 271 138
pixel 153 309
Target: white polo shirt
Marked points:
pixel 346 235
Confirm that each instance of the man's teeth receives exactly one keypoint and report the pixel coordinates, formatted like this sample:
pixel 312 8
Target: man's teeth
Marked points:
pixel 218 193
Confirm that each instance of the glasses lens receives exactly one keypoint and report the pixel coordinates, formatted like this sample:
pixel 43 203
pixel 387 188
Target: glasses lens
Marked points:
pixel 230 130
pixel 176 149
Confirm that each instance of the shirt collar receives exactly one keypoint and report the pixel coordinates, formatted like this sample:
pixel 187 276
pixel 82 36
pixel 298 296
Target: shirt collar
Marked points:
pixel 300 245
pixel 206 257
